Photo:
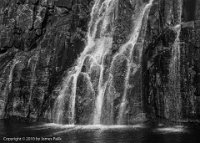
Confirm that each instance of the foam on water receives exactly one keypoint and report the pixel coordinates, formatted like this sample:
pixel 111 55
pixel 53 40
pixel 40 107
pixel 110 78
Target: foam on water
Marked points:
pixel 93 127
pixel 173 129
pixel 96 128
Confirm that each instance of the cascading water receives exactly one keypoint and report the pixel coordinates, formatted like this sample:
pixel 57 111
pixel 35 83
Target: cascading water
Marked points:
pixel 33 80
pixel 8 86
pixel 94 79
pixel 94 52
pixel 173 109
pixel 124 48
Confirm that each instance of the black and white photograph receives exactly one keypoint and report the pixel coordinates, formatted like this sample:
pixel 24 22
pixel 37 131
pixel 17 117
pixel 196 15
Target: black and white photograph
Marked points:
pixel 99 71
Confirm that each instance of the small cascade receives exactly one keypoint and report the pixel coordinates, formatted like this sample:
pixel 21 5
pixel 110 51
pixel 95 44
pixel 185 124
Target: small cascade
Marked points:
pixel 33 79
pixel 10 77
pixel 8 86
pixel 100 75
pixel 174 74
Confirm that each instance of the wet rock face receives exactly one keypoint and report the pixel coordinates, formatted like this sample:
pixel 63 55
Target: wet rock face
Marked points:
pixel 85 100
pixel 40 41
pixel 189 10
pixel 163 92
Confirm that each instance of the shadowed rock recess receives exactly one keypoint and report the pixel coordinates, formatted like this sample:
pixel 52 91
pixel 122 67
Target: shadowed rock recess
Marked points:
pixel 100 61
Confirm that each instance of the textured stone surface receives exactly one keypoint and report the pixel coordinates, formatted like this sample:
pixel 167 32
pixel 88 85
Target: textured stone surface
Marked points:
pixel 45 38
pixel 168 95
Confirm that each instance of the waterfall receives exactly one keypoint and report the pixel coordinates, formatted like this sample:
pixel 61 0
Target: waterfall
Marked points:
pixel 94 52
pixel 82 94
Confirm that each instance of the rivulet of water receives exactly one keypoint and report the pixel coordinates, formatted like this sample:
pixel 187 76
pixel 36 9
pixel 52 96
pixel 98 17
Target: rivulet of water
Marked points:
pixel 8 86
pixel 173 109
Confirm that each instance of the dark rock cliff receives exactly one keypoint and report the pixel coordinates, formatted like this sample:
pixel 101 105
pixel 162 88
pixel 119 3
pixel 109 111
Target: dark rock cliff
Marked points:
pixel 41 39
pixel 172 85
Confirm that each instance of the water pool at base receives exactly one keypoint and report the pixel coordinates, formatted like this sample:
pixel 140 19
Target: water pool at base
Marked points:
pixel 13 131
